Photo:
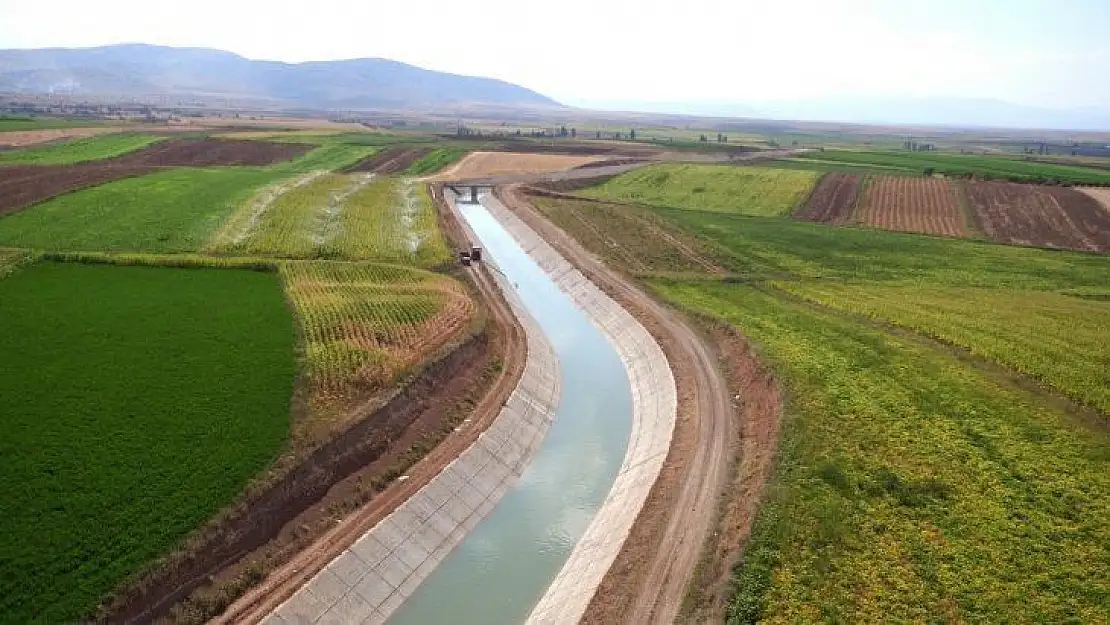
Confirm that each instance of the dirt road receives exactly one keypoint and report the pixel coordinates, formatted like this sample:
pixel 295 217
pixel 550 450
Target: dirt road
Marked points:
pixel 648 581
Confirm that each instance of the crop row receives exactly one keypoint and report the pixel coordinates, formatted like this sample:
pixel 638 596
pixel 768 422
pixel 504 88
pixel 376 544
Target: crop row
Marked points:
pixel 1061 340
pixel 365 324
pixel 356 216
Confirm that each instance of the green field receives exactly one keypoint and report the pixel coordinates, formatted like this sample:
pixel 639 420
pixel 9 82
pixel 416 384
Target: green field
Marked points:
pixel 911 487
pixel 436 160
pixel 1000 167
pixel 78 150
pixel 170 211
pixel 1061 340
pixel 913 483
pixel 341 216
pixel 17 123
pixel 769 248
pixel 717 188
pixel 112 454
pixel 327 157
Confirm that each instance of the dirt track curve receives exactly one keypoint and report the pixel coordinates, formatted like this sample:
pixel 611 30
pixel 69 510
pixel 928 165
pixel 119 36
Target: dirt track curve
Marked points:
pixel 648 581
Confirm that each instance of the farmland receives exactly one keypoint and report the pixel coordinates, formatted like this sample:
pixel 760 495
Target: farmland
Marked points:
pixel 913 460
pixel 1058 339
pixel 435 161
pixel 833 200
pixel 169 211
pixel 908 479
pixel 79 150
pixel 1043 216
pixel 111 454
pixel 717 188
pixel 364 325
pixel 22 186
pixel 351 216
pixel 960 165
pixel 391 160
pixel 925 205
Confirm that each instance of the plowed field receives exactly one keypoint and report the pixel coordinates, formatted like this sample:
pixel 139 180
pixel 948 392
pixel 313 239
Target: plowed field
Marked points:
pixel 1043 216
pixel 833 199
pixel 23 186
pixel 926 205
pixel 391 161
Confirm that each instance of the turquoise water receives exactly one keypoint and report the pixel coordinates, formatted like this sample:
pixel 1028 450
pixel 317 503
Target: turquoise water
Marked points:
pixel 502 568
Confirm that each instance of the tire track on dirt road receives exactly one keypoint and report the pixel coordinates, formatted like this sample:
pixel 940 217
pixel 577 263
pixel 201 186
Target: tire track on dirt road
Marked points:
pixel 648 581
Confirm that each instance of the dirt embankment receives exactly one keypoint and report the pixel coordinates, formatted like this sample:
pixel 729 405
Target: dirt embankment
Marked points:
pixel 24 185
pixel 480 404
pixel 390 161
pixel 648 580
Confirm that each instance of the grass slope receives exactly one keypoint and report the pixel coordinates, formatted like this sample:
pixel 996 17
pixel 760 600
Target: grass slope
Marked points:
pixel 93 148
pixel 717 188
pixel 911 487
pixel 135 403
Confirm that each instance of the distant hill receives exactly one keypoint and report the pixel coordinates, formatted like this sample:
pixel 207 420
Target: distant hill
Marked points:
pixel 133 70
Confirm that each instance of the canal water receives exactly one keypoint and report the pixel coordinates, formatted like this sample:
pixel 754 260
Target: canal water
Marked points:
pixel 502 568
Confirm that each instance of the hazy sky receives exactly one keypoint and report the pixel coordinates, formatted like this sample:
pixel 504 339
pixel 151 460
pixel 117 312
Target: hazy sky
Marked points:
pixel 1054 53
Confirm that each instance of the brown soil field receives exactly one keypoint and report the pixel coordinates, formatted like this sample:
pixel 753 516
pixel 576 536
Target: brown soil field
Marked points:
pixel 21 138
pixel 485 164
pixel 24 185
pixel 391 161
pixel 1044 216
pixel 833 200
pixel 925 205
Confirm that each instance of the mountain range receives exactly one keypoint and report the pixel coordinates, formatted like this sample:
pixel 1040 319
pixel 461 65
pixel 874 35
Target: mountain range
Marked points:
pixel 136 70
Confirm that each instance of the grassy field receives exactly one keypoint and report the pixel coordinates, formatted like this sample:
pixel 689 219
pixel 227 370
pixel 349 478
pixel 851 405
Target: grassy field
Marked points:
pixel 364 325
pixel 17 123
pixel 769 248
pixel 717 188
pixel 1061 340
pixel 171 211
pixel 111 456
pixel 436 160
pixel 1002 167
pixel 78 150
pixel 326 157
pixel 912 484
pixel 911 487
pixel 342 216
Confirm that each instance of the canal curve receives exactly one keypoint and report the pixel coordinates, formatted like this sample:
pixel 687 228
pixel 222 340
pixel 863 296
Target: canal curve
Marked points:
pixel 503 567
